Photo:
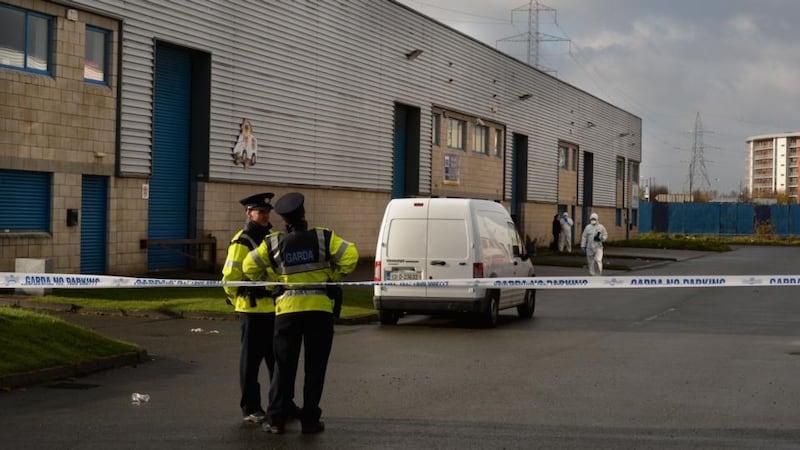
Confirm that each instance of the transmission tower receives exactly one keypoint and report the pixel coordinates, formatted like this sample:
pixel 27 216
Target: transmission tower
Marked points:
pixel 698 164
pixel 533 37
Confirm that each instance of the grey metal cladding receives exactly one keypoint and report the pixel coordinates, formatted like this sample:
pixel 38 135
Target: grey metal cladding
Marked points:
pixel 319 80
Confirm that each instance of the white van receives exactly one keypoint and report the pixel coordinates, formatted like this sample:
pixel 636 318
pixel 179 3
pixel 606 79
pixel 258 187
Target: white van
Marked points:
pixel 449 238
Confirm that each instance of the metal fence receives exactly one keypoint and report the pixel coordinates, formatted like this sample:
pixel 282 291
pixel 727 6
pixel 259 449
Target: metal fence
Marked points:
pixel 721 219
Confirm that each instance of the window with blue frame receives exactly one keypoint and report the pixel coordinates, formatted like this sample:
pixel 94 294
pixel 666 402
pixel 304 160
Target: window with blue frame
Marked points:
pixel 98 51
pixel 26 40
pixel 26 200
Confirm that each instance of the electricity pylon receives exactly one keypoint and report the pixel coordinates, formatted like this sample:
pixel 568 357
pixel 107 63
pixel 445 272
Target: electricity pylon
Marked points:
pixel 698 162
pixel 533 37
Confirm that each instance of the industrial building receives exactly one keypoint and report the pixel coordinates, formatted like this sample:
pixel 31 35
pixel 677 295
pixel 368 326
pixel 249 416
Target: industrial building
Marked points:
pixel 130 130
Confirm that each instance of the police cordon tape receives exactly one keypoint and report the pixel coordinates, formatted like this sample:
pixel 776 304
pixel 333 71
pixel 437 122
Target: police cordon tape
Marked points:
pixel 16 280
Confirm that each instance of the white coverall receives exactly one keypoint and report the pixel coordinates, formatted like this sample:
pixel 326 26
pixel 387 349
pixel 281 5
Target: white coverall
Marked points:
pixel 592 247
pixel 565 237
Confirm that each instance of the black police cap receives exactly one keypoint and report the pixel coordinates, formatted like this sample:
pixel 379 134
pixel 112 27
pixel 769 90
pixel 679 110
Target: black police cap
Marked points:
pixel 290 204
pixel 258 201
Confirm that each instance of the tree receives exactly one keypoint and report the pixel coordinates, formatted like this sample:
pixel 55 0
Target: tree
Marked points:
pixel 656 190
pixel 701 197
pixel 782 198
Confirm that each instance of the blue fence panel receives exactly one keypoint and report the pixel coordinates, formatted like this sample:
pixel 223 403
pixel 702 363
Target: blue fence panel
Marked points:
pixel 794 220
pixel 677 213
pixel 661 217
pixel 745 212
pixel 645 217
pixel 762 215
pixel 723 219
pixel 779 219
pixel 728 219
pixel 700 218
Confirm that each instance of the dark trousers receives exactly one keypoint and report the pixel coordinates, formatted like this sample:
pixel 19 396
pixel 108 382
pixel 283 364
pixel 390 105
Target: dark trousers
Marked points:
pixel 257 332
pixel 314 330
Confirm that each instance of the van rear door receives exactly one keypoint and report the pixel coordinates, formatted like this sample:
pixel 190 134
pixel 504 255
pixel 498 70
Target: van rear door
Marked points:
pixel 405 247
pixel 448 254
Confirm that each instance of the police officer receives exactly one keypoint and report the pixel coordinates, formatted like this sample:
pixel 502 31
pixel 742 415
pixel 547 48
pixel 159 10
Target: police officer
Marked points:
pixel 255 305
pixel 304 260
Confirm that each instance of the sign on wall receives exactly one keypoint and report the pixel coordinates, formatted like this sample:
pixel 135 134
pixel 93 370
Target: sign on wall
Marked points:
pixel 451 170
pixel 246 147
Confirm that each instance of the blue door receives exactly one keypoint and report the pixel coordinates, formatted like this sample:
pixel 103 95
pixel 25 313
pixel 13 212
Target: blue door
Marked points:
pixel 399 159
pixel 168 215
pixel 519 176
pixel 94 219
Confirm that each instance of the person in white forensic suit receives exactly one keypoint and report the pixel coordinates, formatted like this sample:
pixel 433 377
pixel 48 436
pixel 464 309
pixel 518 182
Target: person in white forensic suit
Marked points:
pixel 565 238
pixel 592 244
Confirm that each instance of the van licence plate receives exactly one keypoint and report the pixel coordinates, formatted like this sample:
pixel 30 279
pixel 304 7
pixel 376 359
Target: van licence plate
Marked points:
pixel 402 275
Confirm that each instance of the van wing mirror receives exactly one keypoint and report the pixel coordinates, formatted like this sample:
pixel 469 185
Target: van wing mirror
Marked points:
pixel 530 249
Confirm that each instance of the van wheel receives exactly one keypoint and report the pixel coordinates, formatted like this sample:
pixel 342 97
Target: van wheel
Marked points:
pixel 525 310
pixel 388 317
pixel 492 312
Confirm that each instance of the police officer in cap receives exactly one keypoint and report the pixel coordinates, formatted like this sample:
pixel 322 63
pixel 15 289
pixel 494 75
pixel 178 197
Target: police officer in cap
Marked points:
pixel 255 305
pixel 304 260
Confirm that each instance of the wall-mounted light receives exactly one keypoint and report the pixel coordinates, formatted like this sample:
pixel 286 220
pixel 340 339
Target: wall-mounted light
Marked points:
pixel 480 122
pixel 590 124
pixel 412 55
pixel 525 96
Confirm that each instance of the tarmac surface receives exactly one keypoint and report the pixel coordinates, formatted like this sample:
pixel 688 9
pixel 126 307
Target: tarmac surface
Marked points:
pixel 617 260
pixel 694 368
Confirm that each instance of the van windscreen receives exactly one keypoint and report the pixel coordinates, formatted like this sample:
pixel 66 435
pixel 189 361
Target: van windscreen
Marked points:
pixel 406 238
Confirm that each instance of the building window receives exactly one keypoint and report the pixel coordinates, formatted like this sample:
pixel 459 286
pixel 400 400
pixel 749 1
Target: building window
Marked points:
pixel 96 63
pixel 436 129
pixel 574 160
pixel 567 157
pixel 25 40
pixel 634 217
pixel 618 217
pixel 456 133
pixel 562 157
pixel 634 171
pixel 480 139
pixel 26 200
pixel 620 169
pixel 498 143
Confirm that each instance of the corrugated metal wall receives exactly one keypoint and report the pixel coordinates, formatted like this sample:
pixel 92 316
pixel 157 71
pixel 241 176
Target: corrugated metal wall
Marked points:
pixel 318 80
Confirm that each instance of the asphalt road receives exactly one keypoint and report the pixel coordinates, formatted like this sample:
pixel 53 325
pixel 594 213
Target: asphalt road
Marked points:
pixel 641 368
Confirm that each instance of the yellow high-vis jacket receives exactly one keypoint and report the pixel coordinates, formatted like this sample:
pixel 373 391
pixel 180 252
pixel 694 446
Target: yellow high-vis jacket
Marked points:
pixel 304 261
pixel 255 299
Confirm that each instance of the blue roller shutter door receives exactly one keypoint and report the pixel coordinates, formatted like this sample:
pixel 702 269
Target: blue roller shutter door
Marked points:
pixel 168 216
pixel 93 218
pixel 26 201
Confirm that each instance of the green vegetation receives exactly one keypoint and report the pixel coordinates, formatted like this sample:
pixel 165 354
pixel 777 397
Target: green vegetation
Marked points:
pixel 675 242
pixel 31 341
pixel 703 243
pixel 357 301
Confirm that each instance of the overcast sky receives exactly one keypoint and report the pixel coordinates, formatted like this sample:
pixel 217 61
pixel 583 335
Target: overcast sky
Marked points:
pixel 735 62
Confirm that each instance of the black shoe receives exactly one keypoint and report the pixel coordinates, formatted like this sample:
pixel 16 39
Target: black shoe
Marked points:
pixel 273 428
pixel 311 428
pixel 295 413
